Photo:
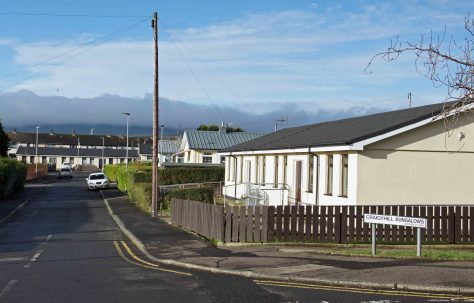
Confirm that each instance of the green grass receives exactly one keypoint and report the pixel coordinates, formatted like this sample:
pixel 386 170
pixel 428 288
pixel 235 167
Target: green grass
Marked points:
pixel 410 252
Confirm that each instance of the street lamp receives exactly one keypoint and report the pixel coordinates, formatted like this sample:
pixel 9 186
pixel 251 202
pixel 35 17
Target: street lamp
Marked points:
pixel 36 157
pixel 127 115
pixel 103 140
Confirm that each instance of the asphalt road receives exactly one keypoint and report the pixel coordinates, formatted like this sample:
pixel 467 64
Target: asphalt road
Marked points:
pixel 62 246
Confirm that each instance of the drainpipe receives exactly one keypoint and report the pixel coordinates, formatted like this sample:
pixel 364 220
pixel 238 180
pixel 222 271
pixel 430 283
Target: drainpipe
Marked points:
pixel 316 191
pixel 235 176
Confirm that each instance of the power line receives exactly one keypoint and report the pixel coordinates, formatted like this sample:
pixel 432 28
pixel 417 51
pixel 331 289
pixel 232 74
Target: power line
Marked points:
pixel 71 15
pixel 175 37
pixel 199 82
pixel 89 46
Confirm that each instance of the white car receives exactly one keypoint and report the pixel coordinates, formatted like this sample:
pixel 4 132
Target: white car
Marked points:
pixel 65 172
pixel 97 181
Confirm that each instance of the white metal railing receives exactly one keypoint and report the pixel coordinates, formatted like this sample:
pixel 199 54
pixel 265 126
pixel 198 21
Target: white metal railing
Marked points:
pixel 256 193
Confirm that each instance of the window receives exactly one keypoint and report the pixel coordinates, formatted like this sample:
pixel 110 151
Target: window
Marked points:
pixel 264 166
pixel 23 159
pixel 285 165
pixel 207 158
pixel 52 160
pixel 310 177
pixel 275 171
pixel 32 159
pixel 91 161
pixel 43 160
pixel 329 174
pixel 122 160
pixel 344 174
pixel 84 161
pixel 63 159
pixel 71 160
pixel 111 160
pixel 248 170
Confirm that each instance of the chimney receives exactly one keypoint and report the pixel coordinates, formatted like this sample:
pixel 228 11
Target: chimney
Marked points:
pixel 223 128
pixel 51 132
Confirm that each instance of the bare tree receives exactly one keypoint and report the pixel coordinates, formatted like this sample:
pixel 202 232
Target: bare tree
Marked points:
pixel 445 61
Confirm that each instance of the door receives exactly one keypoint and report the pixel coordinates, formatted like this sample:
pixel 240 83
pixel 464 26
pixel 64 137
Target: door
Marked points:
pixel 298 179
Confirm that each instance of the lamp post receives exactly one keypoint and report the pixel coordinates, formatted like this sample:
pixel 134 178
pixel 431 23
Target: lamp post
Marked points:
pixel 103 145
pixel 127 115
pixel 36 157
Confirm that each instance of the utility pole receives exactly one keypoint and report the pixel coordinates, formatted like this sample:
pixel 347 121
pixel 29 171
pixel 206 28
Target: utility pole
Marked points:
pixel 154 183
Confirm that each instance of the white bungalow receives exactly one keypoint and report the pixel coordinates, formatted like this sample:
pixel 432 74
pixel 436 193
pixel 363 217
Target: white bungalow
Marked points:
pixel 398 157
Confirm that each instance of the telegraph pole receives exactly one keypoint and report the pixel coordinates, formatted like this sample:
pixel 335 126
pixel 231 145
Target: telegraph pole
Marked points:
pixel 154 183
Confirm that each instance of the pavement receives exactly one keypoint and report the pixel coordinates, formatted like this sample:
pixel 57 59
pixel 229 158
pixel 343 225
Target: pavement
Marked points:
pixel 168 244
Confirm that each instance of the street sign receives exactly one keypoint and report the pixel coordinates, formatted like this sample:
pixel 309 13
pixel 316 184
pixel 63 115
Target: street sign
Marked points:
pixel 395 220
pixel 374 219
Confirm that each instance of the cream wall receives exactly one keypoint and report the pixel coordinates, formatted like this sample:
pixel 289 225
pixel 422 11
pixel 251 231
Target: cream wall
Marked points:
pixel 427 165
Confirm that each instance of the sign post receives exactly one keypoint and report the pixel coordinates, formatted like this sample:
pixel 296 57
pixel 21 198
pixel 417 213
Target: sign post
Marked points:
pixel 374 219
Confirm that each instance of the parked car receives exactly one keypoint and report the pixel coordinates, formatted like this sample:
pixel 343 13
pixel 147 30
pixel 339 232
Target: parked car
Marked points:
pixel 66 164
pixel 65 172
pixel 97 181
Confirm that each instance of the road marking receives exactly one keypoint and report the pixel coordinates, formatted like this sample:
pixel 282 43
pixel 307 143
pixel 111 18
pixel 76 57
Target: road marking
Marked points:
pixel 47 239
pixel 12 259
pixel 7 288
pixel 361 290
pixel 36 256
pixel 142 262
pixel 17 209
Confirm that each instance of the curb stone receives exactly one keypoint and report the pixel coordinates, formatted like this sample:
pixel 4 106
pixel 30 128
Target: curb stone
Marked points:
pixel 250 274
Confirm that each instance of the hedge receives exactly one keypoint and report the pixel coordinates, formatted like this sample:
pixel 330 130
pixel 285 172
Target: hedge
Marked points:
pixel 139 180
pixel 200 194
pixel 12 176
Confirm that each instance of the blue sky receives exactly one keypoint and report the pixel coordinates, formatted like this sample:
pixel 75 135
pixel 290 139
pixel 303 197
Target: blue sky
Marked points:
pixel 251 55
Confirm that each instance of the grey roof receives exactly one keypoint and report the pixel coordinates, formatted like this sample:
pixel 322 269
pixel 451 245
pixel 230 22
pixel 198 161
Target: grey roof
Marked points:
pixel 217 140
pixel 165 147
pixel 340 132
pixel 73 152
pixel 70 139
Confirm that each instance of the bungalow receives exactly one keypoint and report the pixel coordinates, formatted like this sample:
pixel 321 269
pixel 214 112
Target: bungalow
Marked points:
pixel 399 157
pixel 203 146
pixel 166 150
pixel 77 149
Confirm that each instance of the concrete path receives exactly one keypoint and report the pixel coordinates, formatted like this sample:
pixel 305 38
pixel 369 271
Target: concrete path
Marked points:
pixel 293 263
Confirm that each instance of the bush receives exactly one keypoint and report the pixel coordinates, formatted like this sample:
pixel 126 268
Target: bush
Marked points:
pixel 201 194
pixel 139 181
pixel 141 194
pixel 12 176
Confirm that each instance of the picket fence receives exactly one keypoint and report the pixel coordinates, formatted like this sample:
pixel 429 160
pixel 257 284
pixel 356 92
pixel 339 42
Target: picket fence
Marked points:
pixel 324 224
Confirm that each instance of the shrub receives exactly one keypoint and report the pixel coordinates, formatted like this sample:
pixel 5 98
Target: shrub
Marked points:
pixel 201 194
pixel 141 194
pixel 12 176
pixel 139 181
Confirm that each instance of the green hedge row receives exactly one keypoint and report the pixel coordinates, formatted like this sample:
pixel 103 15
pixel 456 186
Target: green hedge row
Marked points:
pixel 12 176
pixel 201 194
pixel 167 176
pixel 138 182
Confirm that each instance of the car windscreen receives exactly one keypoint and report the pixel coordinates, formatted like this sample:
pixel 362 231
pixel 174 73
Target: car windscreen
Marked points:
pixel 97 177
pixel 65 169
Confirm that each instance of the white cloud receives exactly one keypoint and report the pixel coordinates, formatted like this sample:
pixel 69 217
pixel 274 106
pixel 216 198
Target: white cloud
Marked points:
pixel 305 56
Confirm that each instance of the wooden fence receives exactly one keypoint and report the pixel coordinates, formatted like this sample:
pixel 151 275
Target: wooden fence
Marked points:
pixel 330 224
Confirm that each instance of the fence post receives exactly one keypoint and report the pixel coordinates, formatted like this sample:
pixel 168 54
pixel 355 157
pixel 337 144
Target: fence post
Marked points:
pixel 337 227
pixel 451 225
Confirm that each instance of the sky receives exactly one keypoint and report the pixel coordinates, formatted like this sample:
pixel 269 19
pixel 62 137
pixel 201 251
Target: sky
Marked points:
pixel 265 60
